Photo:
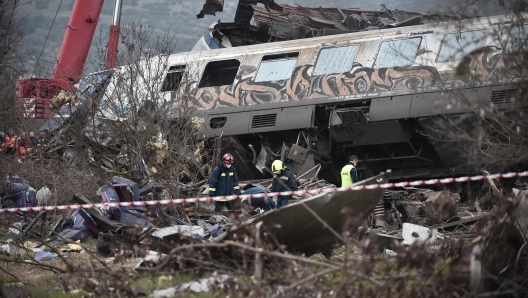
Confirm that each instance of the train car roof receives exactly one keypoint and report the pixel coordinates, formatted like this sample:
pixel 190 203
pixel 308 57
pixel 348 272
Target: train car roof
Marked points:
pixel 299 44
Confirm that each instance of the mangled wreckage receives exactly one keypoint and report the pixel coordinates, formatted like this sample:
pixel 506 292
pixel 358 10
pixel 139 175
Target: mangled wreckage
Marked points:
pixel 312 85
pixel 308 86
pixel 419 218
pixel 315 228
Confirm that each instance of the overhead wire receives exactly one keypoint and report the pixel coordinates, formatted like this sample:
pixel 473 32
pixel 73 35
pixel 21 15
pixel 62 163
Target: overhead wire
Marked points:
pixel 45 41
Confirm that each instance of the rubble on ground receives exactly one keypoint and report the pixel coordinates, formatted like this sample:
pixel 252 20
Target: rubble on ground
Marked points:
pixel 202 285
pixel 393 220
pixel 394 214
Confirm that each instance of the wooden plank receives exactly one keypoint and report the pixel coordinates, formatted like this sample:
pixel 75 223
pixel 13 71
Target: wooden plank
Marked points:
pixel 460 222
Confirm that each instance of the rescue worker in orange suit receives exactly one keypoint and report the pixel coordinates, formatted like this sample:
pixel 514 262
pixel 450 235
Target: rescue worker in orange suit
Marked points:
pixel 224 182
pixel 349 172
pixel 10 143
pixel 21 146
pixel 282 181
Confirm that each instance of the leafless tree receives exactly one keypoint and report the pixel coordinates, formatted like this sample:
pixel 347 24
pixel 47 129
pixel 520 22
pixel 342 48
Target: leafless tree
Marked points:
pixel 133 99
pixel 490 135
pixel 10 65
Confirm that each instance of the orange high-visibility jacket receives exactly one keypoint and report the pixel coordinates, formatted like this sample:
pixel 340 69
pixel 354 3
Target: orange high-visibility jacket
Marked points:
pixel 10 142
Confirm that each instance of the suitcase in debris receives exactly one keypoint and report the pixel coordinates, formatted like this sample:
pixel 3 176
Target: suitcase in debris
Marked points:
pixel 127 190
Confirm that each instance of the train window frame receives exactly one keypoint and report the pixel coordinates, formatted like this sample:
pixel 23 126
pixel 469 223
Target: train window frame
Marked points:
pixel 277 61
pixel 175 73
pixel 222 77
pixel 450 58
pixel 315 71
pixel 508 46
pixel 411 62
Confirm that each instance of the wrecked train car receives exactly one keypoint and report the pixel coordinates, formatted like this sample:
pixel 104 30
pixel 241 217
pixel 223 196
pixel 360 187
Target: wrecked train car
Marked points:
pixel 372 93
pixel 375 90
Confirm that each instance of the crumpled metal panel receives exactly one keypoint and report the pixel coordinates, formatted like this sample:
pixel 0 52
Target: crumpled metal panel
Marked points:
pixel 262 159
pixel 347 19
pixel 285 22
pixel 298 153
pixel 89 91
pixel 211 7
pixel 302 168
pixel 300 231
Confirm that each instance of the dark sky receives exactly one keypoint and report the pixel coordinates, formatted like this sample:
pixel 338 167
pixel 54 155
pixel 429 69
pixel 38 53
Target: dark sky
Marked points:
pixel 176 16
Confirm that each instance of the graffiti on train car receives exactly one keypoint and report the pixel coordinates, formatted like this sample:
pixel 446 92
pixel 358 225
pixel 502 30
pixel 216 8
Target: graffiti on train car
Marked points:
pixel 483 65
pixel 302 86
pixel 491 64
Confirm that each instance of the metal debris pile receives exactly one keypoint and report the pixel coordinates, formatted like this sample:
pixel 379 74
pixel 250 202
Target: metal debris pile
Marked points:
pixel 279 22
pixel 195 221
pixel 394 221
pixel 441 210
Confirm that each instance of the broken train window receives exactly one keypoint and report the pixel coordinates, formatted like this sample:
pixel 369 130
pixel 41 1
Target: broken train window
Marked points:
pixel 173 79
pixel 219 73
pixel 396 53
pixel 456 45
pixel 335 60
pixel 276 67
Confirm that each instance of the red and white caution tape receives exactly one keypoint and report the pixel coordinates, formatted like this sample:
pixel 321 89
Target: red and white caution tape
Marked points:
pixel 272 194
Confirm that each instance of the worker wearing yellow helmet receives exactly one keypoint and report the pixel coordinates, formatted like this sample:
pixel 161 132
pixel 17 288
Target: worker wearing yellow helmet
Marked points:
pixel 283 180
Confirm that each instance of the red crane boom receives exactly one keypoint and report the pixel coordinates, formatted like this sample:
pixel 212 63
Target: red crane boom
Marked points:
pixel 113 38
pixel 34 95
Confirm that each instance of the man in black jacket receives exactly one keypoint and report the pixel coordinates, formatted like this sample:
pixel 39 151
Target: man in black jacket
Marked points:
pixel 265 204
pixel 283 181
pixel 224 182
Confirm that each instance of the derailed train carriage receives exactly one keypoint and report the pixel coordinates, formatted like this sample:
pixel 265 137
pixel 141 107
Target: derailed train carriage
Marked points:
pixel 377 94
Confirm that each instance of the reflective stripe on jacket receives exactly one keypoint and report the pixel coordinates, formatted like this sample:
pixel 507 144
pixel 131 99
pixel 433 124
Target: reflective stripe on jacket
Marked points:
pixel 223 182
pixel 284 181
pixel 346 178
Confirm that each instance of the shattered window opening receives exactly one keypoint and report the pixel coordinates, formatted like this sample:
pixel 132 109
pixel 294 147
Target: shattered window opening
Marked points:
pixel 219 73
pixel 276 67
pixel 456 45
pixel 173 79
pixel 335 60
pixel 217 122
pixel 397 53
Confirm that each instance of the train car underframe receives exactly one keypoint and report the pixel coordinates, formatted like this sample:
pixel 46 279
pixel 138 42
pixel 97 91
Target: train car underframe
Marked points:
pixel 406 146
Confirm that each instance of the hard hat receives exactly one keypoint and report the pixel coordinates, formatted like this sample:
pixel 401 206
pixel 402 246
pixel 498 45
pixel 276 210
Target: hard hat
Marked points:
pixel 277 166
pixel 228 159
